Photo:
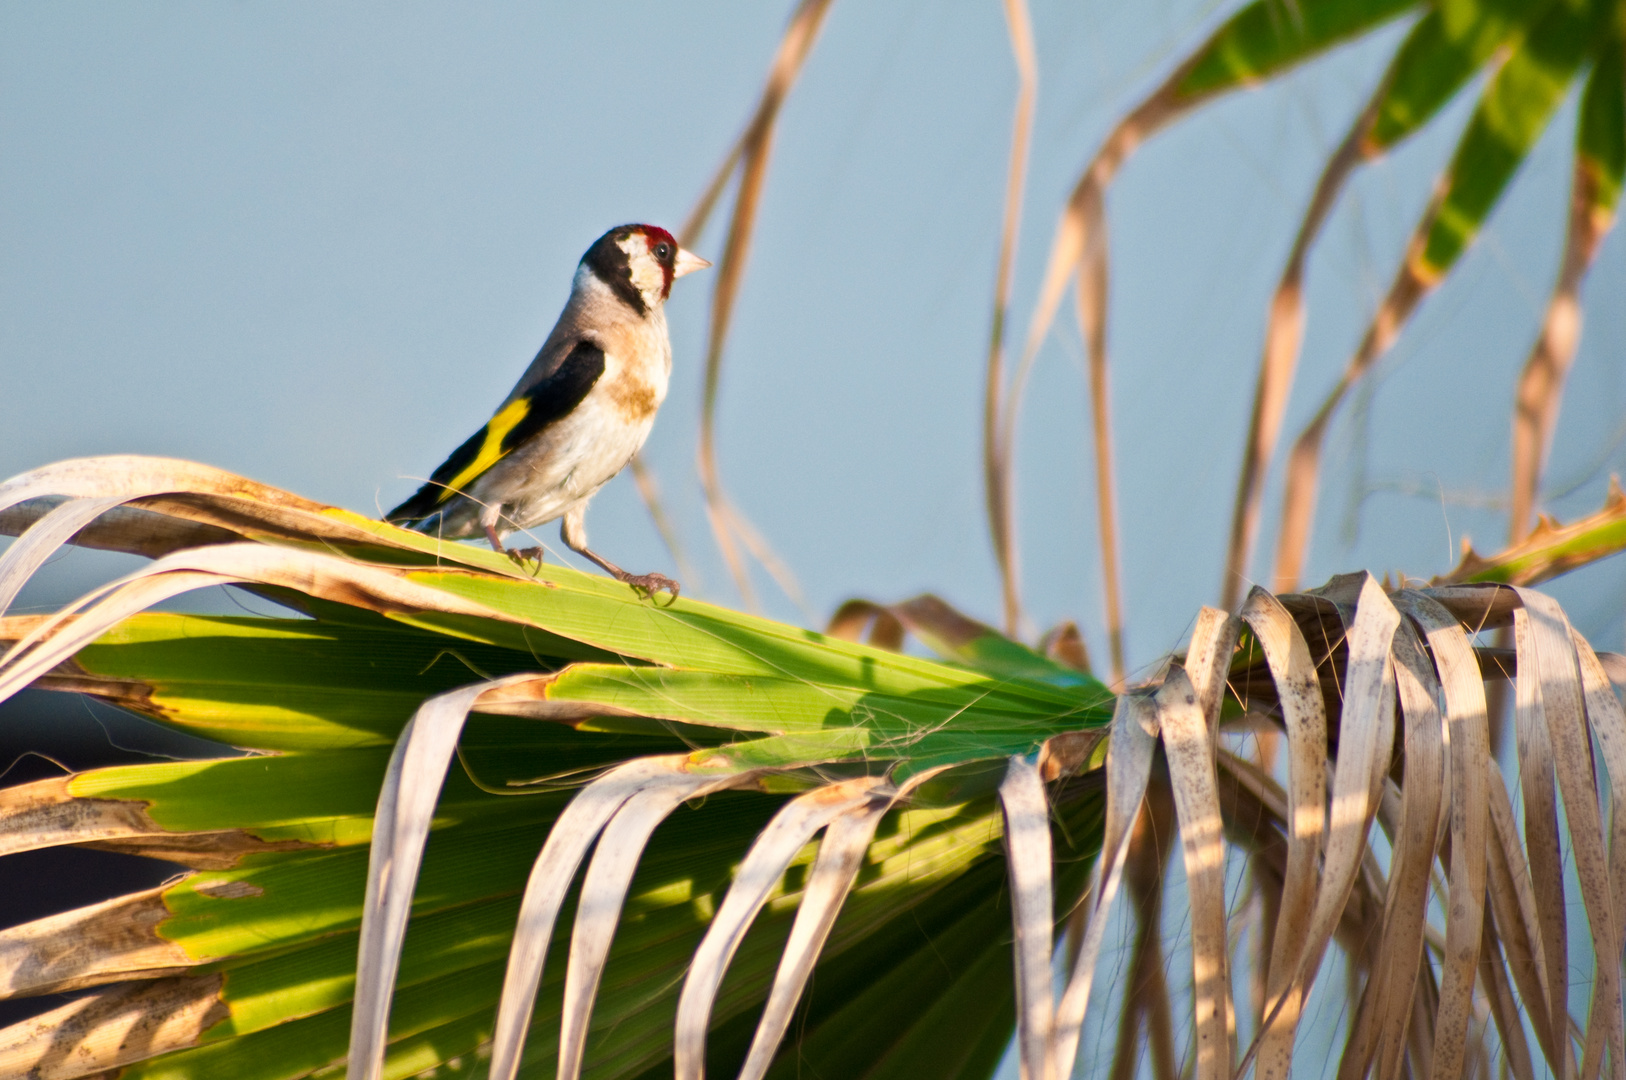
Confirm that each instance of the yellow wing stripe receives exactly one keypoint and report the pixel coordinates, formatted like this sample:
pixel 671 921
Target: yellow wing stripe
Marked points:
pixel 491 450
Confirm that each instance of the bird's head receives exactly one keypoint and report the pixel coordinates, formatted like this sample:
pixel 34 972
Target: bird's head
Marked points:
pixel 640 262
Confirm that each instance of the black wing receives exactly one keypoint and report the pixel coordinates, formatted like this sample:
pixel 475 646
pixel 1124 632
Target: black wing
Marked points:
pixel 551 399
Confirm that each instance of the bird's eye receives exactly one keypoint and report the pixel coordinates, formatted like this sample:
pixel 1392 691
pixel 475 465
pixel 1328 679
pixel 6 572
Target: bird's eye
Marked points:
pixel 663 251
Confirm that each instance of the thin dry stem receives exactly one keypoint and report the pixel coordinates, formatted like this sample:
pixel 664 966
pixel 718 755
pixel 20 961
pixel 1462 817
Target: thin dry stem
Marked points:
pixel 1304 463
pixel 695 224
pixel 1070 245
pixel 1079 246
pixel 1284 337
pixel 762 552
pixel 1092 305
pixel 1541 384
pixel 997 436
pixel 752 153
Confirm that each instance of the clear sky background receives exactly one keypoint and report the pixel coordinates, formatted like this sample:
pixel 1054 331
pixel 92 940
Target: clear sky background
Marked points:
pixel 315 244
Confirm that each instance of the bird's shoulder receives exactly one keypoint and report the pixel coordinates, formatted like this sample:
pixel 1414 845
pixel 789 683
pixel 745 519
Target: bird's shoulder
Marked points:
pixel 636 349
pixel 536 405
pixel 525 414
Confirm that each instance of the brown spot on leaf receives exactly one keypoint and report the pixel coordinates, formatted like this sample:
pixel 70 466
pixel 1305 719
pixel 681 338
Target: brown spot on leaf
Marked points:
pixel 200 850
pixel 1068 753
pixel 231 890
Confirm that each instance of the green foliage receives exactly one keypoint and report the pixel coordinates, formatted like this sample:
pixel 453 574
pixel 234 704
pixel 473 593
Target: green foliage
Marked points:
pixel 1512 114
pixel 1268 37
pixel 1448 46
pixel 1601 140
pixel 327 695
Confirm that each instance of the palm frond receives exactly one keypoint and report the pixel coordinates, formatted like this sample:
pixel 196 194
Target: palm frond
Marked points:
pixel 1263 39
pixel 1440 54
pixel 1550 549
pixel 344 902
pixel 1514 109
pixel 1600 160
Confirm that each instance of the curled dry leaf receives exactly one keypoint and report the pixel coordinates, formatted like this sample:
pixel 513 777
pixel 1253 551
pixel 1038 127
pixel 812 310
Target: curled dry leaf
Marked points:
pixel 411 788
pixel 567 843
pixel 1303 716
pixel 604 888
pixel 1563 705
pixel 42 540
pixel 1462 688
pixel 840 855
pixel 1542 842
pixel 1191 774
pixel 1131 746
pixel 1414 840
pixel 761 870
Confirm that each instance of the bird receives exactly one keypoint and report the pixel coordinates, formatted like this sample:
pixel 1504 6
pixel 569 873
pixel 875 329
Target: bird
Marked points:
pixel 578 414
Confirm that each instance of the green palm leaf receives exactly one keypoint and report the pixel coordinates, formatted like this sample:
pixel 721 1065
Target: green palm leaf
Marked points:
pixel 695 917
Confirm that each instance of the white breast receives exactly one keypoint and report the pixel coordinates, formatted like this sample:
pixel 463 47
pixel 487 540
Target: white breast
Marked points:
pixel 580 453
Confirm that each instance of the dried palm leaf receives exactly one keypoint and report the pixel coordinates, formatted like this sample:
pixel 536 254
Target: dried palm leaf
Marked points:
pixel 1440 55
pixel 1600 158
pixel 1263 39
pixel 750 157
pixel 1515 107
pixel 998 438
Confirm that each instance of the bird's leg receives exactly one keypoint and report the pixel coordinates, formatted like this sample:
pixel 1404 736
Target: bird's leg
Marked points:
pixel 488 521
pixel 573 531
pixel 489 516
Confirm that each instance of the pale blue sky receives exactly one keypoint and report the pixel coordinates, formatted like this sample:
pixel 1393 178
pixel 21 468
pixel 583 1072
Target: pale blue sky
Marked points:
pixel 316 243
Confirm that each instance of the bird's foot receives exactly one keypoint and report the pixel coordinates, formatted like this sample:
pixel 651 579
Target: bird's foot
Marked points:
pixel 650 584
pixel 521 556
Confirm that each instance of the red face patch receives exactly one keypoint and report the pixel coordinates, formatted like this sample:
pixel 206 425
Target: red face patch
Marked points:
pixel 653 235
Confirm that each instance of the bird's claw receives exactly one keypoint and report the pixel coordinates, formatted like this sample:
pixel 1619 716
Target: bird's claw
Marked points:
pixel 521 556
pixel 650 584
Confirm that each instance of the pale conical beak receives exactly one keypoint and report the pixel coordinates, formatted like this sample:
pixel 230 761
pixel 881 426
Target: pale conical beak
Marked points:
pixel 687 263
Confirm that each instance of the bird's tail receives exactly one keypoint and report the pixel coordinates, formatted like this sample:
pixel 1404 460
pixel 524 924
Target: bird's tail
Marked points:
pixel 422 512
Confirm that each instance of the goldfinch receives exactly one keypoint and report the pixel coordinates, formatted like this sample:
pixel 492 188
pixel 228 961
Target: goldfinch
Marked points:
pixel 578 414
